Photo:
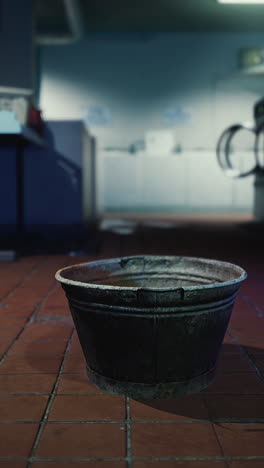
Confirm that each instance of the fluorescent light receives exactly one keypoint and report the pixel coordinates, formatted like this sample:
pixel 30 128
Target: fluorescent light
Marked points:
pixel 248 2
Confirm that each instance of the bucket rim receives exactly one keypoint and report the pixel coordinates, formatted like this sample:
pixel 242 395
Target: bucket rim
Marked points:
pixel 101 287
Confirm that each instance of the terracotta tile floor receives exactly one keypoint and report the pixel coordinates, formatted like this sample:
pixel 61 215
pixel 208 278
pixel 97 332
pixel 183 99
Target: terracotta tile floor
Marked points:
pixel 51 416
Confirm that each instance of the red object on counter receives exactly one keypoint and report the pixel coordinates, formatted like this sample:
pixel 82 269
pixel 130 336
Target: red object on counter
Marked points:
pixel 35 120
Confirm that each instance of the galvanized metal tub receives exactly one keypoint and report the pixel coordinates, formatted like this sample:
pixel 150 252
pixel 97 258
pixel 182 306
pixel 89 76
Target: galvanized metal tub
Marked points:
pixel 151 326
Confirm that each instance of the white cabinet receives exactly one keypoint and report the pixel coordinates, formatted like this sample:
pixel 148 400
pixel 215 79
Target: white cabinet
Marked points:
pixel 163 182
pixel 208 186
pixel 186 182
pixel 244 193
pixel 121 182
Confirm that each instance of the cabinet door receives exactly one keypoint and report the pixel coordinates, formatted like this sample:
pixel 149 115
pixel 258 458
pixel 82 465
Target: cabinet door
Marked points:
pixel 209 187
pixel 244 194
pixel 244 187
pixel 121 182
pixel 163 182
pixel 52 191
pixel 8 187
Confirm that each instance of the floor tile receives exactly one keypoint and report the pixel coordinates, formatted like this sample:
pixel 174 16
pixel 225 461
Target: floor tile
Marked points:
pixel 13 464
pixel 180 464
pixel 44 331
pixel 253 341
pixel 254 351
pixel 15 313
pixel 241 322
pixel 4 345
pixel 230 348
pixel 234 363
pixel 242 306
pixel 241 440
pixel 190 407
pixel 87 408
pixel 241 330
pixel 244 318
pixel 39 347
pixel 26 383
pixel 75 347
pixel 82 441
pixel 228 340
pixel 245 382
pixel 57 297
pixel 9 333
pixel 76 383
pixel 174 440
pixel 246 463
pixel 22 408
pixel 56 301
pixel 74 364
pixel 30 364
pixel 259 362
pixel 54 311
pixel 16 440
pixel 54 319
pixel 232 407
pixel 9 320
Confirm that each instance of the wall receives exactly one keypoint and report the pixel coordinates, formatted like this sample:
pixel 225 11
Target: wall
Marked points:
pixel 16 44
pixel 188 82
pixel 194 75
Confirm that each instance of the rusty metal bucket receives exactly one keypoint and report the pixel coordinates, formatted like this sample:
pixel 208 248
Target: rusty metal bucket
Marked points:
pixel 151 326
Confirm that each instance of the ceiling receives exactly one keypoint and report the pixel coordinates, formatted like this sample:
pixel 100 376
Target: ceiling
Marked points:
pixel 149 16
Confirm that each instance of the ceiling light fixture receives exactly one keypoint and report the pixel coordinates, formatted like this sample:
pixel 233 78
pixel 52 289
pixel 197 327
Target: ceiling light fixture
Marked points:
pixel 248 2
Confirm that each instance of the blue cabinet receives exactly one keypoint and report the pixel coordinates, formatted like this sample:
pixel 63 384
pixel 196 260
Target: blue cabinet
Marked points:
pixel 52 191
pixel 8 203
pixel 57 190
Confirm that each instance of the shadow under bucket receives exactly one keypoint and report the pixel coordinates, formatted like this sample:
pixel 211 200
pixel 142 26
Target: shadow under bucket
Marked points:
pixel 151 326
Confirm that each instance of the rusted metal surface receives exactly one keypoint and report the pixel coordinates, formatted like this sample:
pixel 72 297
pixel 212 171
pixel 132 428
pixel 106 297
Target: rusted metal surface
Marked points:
pixel 151 326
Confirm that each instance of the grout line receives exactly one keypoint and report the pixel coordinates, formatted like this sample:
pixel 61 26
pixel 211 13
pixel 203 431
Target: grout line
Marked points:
pixel 78 373
pixel 32 354
pixel 22 394
pixel 219 445
pixel 227 372
pixel 40 303
pixel 15 459
pixel 121 422
pixel 50 459
pixel 48 393
pixel 198 458
pixel 74 459
pixel 128 433
pixel 30 373
pixel 45 340
pixel 49 405
pixel 219 373
pixel 95 393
